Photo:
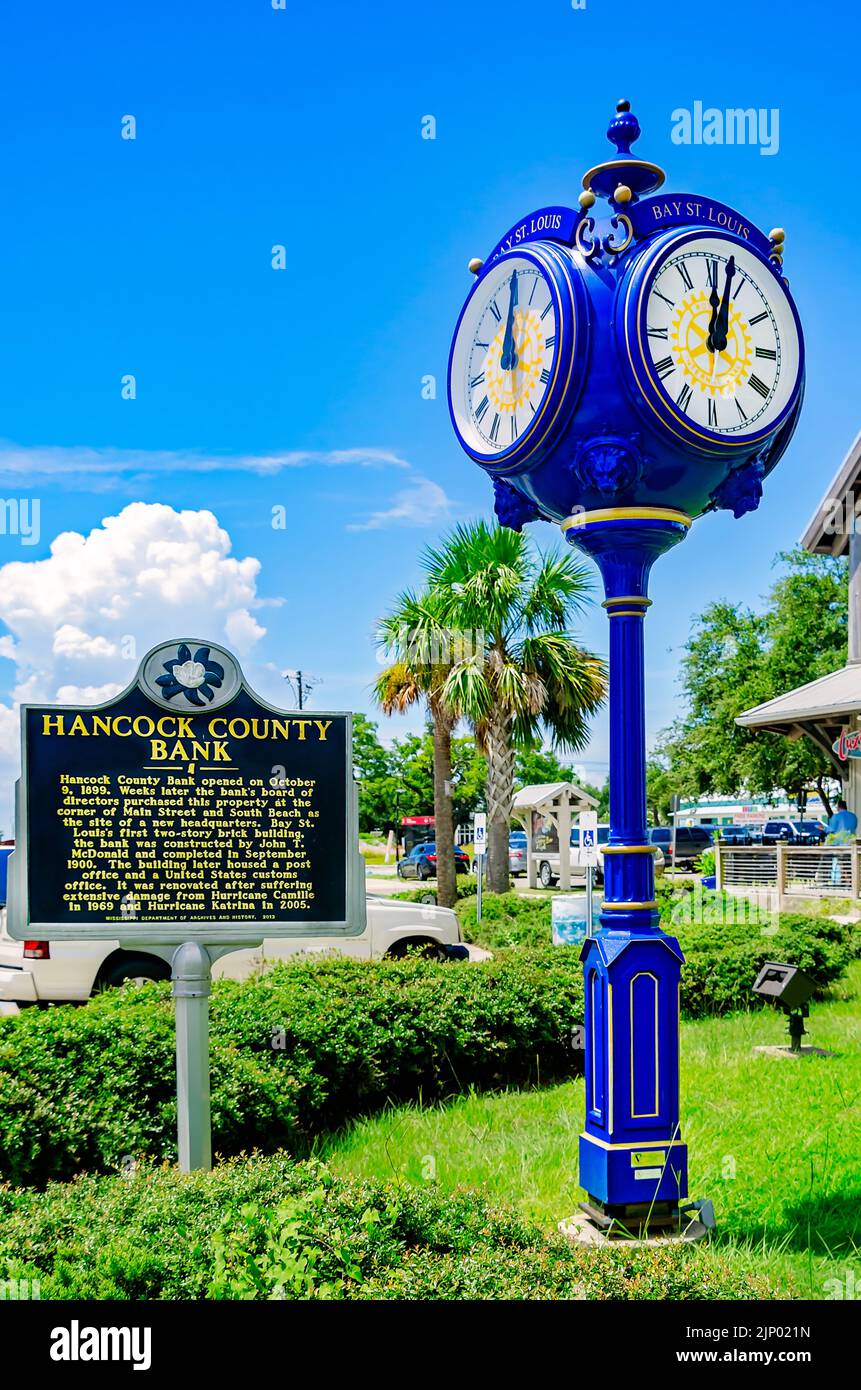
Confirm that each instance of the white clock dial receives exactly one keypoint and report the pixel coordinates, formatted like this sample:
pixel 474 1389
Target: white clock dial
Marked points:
pixel 720 338
pixel 504 356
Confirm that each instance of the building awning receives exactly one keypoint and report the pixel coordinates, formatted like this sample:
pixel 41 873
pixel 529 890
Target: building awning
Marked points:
pixel 834 699
pixel 821 709
pixel 841 498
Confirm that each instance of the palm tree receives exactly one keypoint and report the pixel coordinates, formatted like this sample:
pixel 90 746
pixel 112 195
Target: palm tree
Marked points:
pixel 524 670
pixel 415 635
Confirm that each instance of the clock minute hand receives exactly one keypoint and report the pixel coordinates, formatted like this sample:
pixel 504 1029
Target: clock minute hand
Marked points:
pixel 719 336
pixel 508 358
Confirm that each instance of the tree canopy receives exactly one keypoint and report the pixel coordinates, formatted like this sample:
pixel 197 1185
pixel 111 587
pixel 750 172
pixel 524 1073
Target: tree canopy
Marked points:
pixel 736 658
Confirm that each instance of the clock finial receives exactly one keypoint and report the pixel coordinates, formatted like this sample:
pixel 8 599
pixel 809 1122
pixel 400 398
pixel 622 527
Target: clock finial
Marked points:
pixel 624 128
pixel 627 172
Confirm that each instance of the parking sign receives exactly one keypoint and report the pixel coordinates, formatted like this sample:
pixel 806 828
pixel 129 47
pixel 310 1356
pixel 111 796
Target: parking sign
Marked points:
pixel 588 823
pixel 479 833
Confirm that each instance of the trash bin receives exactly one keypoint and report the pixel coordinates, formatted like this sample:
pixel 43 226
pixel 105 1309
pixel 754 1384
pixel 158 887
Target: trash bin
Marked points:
pixel 568 917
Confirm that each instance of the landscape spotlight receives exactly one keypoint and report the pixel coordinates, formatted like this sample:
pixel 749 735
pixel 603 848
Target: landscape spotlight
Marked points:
pixel 789 989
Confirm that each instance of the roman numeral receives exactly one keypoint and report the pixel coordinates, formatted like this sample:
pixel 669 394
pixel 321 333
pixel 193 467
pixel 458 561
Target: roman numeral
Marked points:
pixel 738 291
pixel 494 429
pixel 686 279
pixel 551 340
pixel 665 367
pixel 712 412
pixel 684 396
pixel 657 333
pixel 545 376
pixel 478 344
pixel 671 302
pixel 493 309
pixel 740 408
pixel 770 353
pixel 545 312
pixel 712 273
pixel 476 380
pixel 482 407
pixel 532 291
pixel 513 428
pixel 759 386
pixel 757 318
pixel 532 407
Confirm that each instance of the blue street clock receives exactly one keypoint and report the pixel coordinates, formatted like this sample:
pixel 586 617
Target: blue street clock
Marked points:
pixel 652 355
pixel 623 368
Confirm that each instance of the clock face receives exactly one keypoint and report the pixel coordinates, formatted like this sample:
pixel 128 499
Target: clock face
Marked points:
pixel 505 356
pixel 719 339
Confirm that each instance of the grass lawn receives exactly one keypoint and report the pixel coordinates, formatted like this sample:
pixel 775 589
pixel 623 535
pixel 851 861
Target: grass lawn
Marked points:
pixel 774 1143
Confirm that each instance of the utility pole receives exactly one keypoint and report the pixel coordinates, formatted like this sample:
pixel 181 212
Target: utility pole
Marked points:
pixel 301 684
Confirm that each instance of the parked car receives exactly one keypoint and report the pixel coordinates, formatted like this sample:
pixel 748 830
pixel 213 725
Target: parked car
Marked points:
pixel 518 846
pixel 735 835
pixel 41 972
pixel 811 832
pixel 548 863
pixel 794 832
pixel 421 862
pixel 690 842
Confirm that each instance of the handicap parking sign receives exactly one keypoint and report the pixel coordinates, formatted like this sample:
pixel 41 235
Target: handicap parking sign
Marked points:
pixel 588 825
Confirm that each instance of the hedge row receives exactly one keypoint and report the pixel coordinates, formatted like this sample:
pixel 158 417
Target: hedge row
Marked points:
pixel 314 1044
pixel 269 1228
pixel 724 949
pixel 295 1052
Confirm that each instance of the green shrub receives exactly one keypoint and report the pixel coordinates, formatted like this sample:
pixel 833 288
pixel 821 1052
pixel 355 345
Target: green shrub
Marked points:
pixel 314 1044
pixel 295 1052
pixel 270 1228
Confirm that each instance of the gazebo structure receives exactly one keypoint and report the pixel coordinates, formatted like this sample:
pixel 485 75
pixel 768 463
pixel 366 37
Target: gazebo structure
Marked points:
pixel 828 710
pixel 546 811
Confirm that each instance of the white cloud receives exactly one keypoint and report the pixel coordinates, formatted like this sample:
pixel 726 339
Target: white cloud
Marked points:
pixel 101 469
pixel 72 641
pixel 81 620
pixel 421 503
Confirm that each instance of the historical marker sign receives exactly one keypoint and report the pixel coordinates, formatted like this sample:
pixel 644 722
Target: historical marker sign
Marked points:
pixel 185 809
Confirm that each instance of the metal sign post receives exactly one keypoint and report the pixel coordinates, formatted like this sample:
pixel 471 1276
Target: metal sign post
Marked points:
pixel 186 818
pixel 479 844
pixel 675 807
pixel 588 825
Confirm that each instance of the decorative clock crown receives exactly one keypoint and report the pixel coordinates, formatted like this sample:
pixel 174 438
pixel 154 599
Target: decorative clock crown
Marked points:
pixel 624 179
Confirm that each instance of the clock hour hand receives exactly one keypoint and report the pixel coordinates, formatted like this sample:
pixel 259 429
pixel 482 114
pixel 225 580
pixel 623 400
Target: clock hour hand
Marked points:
pixel 714 301
pixel 719 334
pixel 508 359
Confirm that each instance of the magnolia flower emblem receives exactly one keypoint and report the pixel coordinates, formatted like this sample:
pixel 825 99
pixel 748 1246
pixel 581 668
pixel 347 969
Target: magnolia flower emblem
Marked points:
pixel 197 677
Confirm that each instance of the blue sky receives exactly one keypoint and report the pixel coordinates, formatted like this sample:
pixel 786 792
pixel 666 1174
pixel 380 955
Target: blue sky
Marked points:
pixel 301 388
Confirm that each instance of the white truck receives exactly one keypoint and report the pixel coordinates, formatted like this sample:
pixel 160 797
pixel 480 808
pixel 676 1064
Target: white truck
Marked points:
pixel 39 972
pixel 547 867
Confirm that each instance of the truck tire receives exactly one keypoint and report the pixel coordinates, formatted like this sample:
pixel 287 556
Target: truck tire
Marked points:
pixel 428 950
pixel 138 969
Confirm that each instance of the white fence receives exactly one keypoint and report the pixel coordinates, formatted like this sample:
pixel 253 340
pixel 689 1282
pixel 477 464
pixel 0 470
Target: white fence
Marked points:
pixel 808 871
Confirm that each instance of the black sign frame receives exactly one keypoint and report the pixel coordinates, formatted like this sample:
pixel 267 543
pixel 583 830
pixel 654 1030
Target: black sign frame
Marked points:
pixel 217 689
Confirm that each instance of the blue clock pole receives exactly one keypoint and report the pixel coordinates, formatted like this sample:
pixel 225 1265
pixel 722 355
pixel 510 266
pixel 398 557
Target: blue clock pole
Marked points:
pixel 623 368
pixel 632 1158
